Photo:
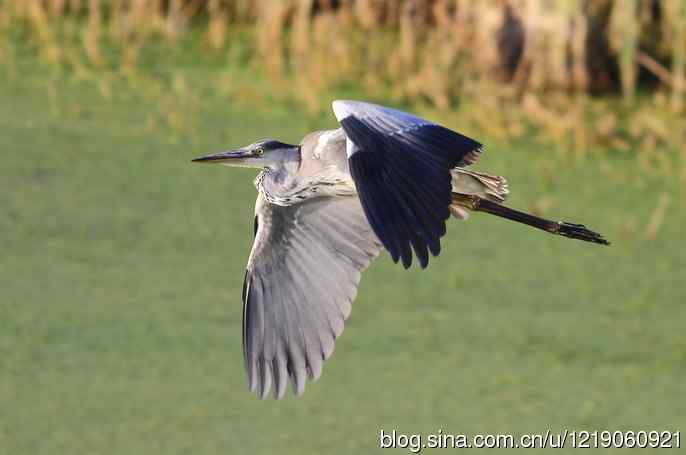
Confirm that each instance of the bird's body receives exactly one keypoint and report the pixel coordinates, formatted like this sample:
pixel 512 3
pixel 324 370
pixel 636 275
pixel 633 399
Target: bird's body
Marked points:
pixel 321 169
pixel 326 208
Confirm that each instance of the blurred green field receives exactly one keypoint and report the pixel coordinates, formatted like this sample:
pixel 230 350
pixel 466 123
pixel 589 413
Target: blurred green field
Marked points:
pixel 122 266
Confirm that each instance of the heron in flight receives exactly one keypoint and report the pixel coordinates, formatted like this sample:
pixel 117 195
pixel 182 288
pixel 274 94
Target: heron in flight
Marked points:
pixel 327 206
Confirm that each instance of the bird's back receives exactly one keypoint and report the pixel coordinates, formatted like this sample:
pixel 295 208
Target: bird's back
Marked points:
pixel 325 148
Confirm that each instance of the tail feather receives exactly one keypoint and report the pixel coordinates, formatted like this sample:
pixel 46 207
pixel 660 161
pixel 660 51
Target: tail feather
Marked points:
pixel 490 187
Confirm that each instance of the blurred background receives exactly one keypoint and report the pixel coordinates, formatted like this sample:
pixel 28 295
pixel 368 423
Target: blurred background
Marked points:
pixel 122 264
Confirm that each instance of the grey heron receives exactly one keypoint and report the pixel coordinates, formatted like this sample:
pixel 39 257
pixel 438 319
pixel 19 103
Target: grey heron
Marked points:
pixel 327 206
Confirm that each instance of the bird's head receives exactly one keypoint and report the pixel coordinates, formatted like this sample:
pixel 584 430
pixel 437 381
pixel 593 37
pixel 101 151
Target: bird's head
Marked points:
pixel 265 153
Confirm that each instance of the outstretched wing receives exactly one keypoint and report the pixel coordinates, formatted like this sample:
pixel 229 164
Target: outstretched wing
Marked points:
pixel 401 167
pixel 300 282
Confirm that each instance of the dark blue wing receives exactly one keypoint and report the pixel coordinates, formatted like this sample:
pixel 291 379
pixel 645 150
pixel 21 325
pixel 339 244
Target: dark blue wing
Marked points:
pixel 401 167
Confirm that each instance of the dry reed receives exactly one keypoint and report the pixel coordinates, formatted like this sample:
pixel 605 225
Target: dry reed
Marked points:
pixel 543 60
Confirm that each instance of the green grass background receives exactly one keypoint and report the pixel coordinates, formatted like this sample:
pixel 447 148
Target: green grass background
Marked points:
pixel 121 267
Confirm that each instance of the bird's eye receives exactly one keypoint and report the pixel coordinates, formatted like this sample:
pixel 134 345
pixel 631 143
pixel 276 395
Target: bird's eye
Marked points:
pixel 259 151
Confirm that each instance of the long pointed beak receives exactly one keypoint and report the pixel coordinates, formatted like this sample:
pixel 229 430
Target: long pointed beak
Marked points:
pixel 223 157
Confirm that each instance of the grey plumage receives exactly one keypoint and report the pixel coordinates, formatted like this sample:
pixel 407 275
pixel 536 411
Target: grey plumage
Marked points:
pixel 324 209
pixel 301 280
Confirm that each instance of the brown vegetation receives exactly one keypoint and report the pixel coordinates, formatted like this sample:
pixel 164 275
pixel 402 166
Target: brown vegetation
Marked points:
pixel 543 59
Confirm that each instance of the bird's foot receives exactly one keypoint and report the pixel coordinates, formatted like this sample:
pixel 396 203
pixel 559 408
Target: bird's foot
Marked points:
pixel 580 232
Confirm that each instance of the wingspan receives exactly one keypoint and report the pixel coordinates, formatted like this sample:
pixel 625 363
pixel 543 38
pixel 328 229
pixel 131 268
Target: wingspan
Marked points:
pixel 300 282
pixel 401 167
